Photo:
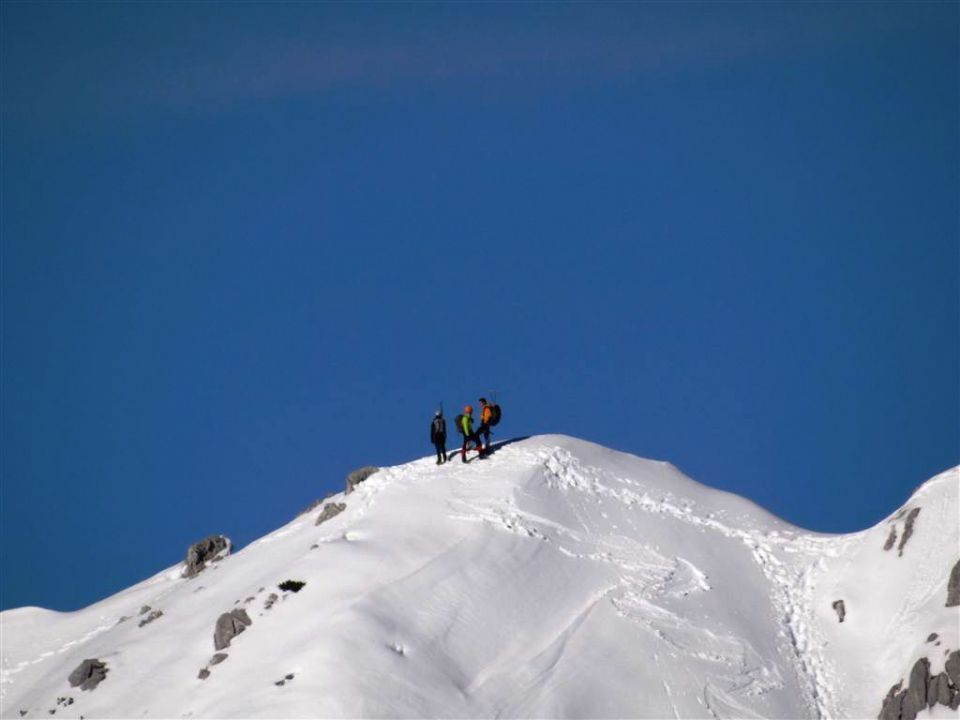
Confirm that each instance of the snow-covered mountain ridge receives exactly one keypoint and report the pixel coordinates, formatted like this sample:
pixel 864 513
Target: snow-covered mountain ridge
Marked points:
pixel 555 579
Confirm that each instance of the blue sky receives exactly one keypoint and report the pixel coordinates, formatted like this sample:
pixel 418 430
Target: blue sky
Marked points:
pixel 247 248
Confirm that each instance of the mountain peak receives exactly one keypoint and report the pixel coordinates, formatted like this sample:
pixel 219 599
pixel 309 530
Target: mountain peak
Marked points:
pixel 553 578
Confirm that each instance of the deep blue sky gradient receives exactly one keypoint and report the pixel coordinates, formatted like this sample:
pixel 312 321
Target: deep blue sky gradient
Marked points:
pixel 249 247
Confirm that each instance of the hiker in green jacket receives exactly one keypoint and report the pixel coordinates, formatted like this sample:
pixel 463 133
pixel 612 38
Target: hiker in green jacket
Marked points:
pixel 466 427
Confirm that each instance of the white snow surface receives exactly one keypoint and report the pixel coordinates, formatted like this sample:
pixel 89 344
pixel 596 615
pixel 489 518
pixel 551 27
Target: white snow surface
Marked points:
pixel 556 578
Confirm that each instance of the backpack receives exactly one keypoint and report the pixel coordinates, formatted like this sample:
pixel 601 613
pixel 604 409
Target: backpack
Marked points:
pixel 439 427
pixel 494 415
pixel 458 421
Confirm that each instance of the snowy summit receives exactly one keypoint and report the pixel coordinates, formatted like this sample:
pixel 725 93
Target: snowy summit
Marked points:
pixel 556 578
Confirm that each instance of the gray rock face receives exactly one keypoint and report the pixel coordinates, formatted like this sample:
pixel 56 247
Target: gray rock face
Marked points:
pixel 908 529
pixel 229 625
pixel 330 510
pixel 150 618
pixel 931 637
pixel 953 586
pixel 893 703
pixel 89 674
pixel 358 476
pixel 942 692
pixel 208 550
pixel 841 609
pixel 916 699
pixel 203 674
pixel 218 658
pixel 891 539
pixel 953 668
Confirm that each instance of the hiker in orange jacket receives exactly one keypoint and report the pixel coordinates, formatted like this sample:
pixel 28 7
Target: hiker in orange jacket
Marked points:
pixel 486 413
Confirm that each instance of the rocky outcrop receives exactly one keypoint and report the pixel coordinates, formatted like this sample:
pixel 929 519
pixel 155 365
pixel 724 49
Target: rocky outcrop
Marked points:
pixel 291 585
pixel 210 549
pixel 358 476
pixel 150 618
pixel 893 703
pixel 841 609
pixel 89 674
pixel 891 539
pixel 924 691
pixel 229 625
pixel 908 529
pixel 916 699
pixel 953 586
pixel 953 667
pixel 330 510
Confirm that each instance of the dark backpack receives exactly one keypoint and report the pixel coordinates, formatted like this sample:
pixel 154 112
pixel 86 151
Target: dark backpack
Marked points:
pixel 439 427
pixel 458 421
pixel 494 414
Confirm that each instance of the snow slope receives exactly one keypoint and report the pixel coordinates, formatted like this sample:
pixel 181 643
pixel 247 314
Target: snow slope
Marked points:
pixel 555 579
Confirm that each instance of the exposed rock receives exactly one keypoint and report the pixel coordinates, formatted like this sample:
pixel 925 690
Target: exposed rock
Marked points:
pixel 271 599
pixel 952 666
pixel 316 503
pixel 291 585
pixel 88 674
pixel 841 609
pixel 358 476
pixel 289 677
pixel 955 700
pixel 150 618
pixel 916 699
pixel 953 586
pixel 908 529
pixel 210 549
pixel 941 687
pixel 229 625
pixel 123 619
pixel 203 674
pixel 144 609
pixel 330 510
pixel 280 683
pixel 932 637
pixel 218 658
pixel 893 703
pixel 891 539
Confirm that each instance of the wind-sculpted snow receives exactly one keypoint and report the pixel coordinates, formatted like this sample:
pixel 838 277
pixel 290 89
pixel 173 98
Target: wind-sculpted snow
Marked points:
pixel 554 579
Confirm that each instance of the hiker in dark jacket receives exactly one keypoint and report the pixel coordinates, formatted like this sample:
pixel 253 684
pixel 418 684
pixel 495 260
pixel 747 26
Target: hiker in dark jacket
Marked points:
pixel 438 436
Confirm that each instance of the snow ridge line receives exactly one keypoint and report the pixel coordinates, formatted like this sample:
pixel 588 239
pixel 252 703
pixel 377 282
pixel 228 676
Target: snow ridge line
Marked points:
pixel 566 472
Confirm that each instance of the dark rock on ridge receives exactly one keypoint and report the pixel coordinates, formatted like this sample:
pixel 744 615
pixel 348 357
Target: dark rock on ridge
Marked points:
pixel 291 585
pixel 330 510
pixel 88 674
pixel 210 549
pixel 891 539
pixel 229 625
pixel 358 476
pixel 841 609
pixel 953 586
pixel 150 618
pixel 908 529
pixel 916 699
pixel 218 658
pixel 893 703
pixel 952 667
